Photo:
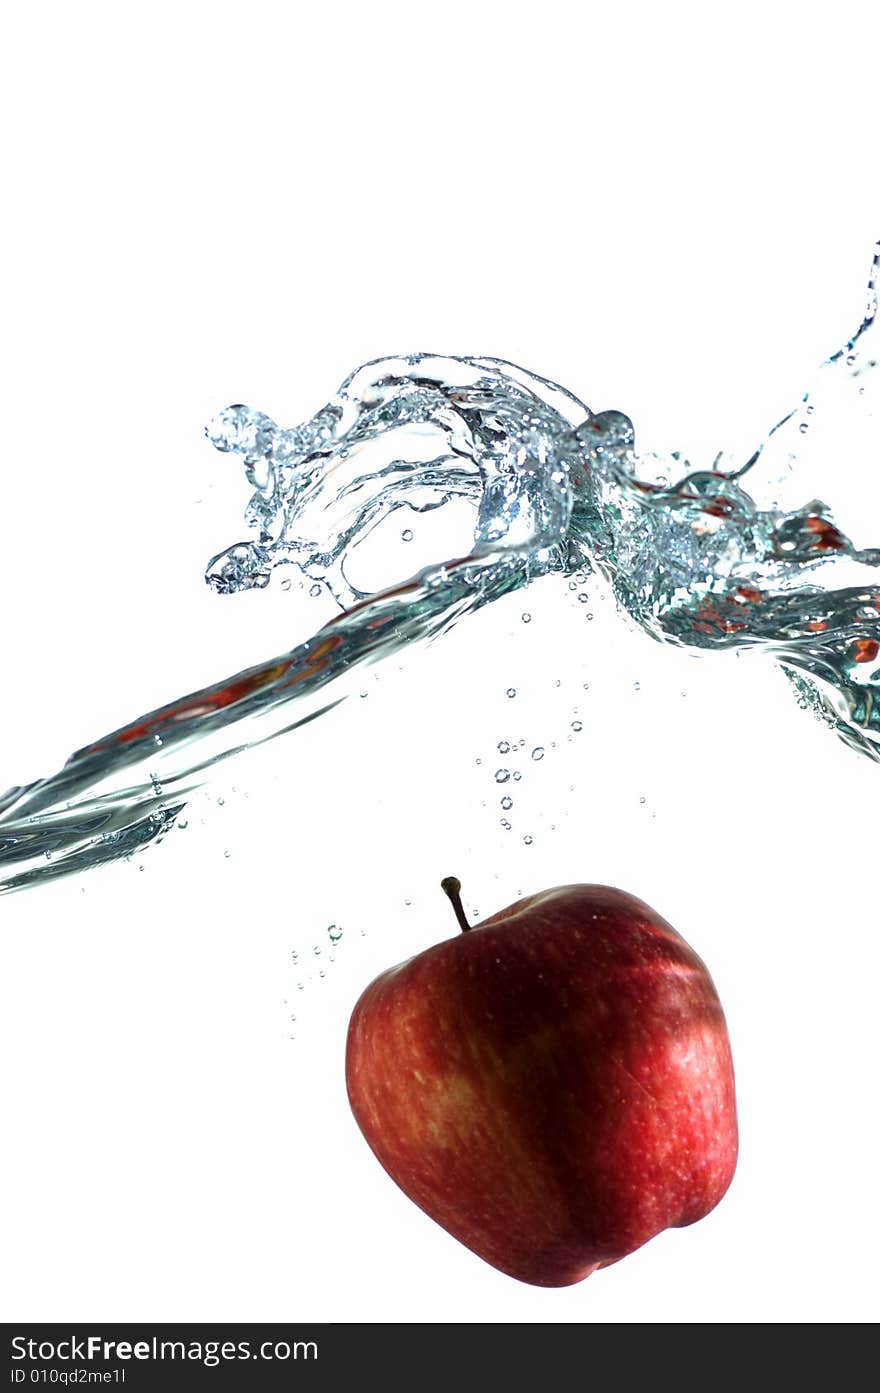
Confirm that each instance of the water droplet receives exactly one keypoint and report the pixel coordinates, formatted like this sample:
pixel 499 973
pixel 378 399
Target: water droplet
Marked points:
pixel 503 747
pixel 334 933
pixel 157 741
pixel 501 776
pixel 406 535
pixel 538 752
pixel 526 618
pixel 577 725
pixel 507 803
pixel 511 691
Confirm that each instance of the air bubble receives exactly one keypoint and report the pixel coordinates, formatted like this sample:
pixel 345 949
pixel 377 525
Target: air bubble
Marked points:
pixel 315 591
pixel 507 803
pixel 511 691
pixel 501 776
pixel 517 775
pixel 503 747
pixel 527 840
pixel 526 618
pixel 538 752
pixel 334 933
pixel 577 725
pixel 505 824
pixel 584 598
pixel 406 535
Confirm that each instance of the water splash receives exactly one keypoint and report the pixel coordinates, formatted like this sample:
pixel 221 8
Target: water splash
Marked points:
pixel 720 557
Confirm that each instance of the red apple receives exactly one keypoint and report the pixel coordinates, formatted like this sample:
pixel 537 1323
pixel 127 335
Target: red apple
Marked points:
pixel 553 1086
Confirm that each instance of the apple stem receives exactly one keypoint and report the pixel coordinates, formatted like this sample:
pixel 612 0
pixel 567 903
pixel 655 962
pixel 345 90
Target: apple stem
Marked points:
pixel 451 887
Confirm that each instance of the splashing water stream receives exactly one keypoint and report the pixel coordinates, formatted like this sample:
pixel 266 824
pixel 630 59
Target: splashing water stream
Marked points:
pixel 720 557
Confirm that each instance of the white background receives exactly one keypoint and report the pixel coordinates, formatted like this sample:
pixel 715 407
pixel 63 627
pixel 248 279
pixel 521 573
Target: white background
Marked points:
pixel 670 209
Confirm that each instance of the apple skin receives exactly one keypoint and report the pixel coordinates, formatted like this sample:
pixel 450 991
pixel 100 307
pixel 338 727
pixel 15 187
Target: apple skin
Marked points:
pixel 554 1087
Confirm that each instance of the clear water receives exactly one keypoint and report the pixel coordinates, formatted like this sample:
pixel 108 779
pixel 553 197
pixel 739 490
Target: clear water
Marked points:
pixel 737 553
